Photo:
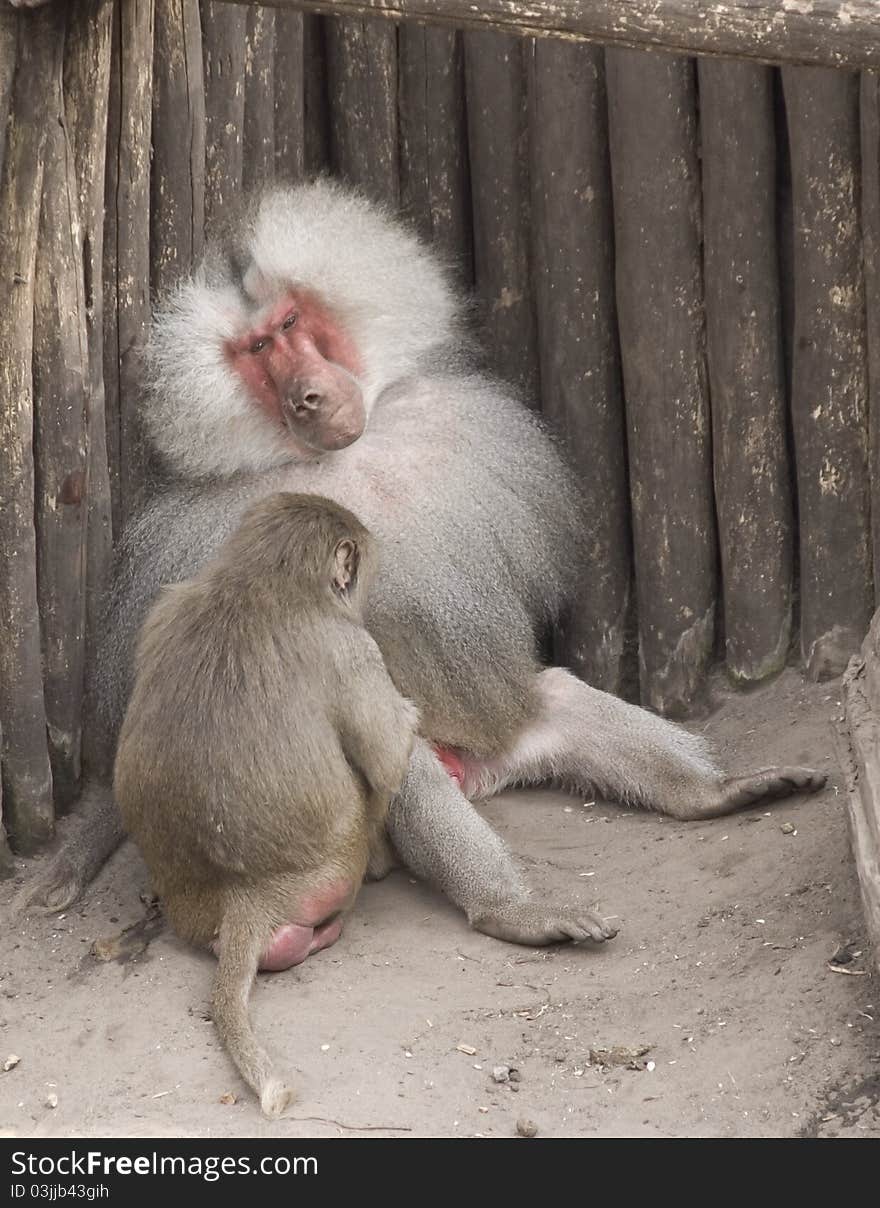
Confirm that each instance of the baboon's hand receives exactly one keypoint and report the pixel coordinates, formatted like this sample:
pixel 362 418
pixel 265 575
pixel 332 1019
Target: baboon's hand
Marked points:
pixel 536 923
pixel 87 840
pixel 55 887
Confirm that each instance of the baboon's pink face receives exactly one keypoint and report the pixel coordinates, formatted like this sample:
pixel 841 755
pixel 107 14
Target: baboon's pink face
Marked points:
pixel 301 369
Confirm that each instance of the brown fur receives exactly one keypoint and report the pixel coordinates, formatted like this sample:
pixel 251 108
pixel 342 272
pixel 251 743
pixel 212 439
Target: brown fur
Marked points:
pixel 262 743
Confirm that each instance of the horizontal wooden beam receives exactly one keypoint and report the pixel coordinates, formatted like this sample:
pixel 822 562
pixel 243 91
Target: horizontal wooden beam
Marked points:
pixel 824 33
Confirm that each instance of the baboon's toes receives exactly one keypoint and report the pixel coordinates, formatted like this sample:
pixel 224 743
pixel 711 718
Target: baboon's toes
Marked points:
pixel 536 925
pixel 772 783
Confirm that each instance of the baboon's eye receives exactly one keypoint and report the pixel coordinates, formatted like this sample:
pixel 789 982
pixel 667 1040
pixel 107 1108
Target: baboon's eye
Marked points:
pixel 289 321
pixel 258 346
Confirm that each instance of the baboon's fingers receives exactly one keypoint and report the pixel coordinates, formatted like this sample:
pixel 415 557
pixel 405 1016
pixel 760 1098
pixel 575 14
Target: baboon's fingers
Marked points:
pixel 51 890
pixel 584 927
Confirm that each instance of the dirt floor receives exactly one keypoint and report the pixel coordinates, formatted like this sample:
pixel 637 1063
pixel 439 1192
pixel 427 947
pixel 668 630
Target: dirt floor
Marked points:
pixel 720 973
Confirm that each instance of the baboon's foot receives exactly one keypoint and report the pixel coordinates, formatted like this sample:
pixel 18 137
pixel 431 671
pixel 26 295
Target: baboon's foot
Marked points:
pixel 536 924
pixel 770 784
pixel 739 792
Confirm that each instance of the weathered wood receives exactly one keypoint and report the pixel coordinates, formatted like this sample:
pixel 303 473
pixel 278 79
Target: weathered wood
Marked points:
pixel 833 33
pixel 60 386
pixel 746 372
pixel 127 250
pixel 829 372
pixel 859 753
pixel 655 174
pixel 8 39
pixel 869 107
pixel 86 91
pixel 434 176
pixel 259 99
pixel 785 245
pixel 224 32
pixel 290 97
pixel 362 87
pixel 317 98
pixel 577 324
pixel 498 140
pixel 7 866
pixel 177 190
pixel 27 775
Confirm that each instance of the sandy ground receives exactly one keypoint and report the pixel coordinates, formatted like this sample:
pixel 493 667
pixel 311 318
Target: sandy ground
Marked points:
pixel 721 967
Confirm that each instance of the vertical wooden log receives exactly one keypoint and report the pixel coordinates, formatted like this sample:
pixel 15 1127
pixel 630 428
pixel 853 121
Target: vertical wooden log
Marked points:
pixel 177 189
pixel 127 250
pixel 785 244
pixel 498 138
pixel 581 387
pixel 224 45
pixel 6 863
pixel 290 96
pixel 746 372
pixel 829 372
pixel 86 88
pixel 60 385
pixel 8 40
pixel 27 775
pixel 870 152
pixel 655 174
pixel 434 178
pixel 316 115
pixel 259 98
pixel 362 87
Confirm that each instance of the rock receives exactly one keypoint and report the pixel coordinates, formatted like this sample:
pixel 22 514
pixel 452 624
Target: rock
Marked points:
pixel 628 1055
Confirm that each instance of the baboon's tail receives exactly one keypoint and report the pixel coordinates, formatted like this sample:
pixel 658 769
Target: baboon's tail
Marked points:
pixel 240 948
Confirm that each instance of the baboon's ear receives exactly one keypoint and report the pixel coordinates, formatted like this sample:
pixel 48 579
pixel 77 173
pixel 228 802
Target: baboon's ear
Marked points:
pixel 346 557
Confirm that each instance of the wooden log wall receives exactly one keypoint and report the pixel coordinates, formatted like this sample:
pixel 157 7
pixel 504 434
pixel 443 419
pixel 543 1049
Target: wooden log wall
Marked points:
pixel 652 109
pixel 27 776
pixel 678 262
pixel 745 362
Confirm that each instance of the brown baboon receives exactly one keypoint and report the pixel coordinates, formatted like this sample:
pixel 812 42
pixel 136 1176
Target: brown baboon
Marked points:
pixel 261 746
